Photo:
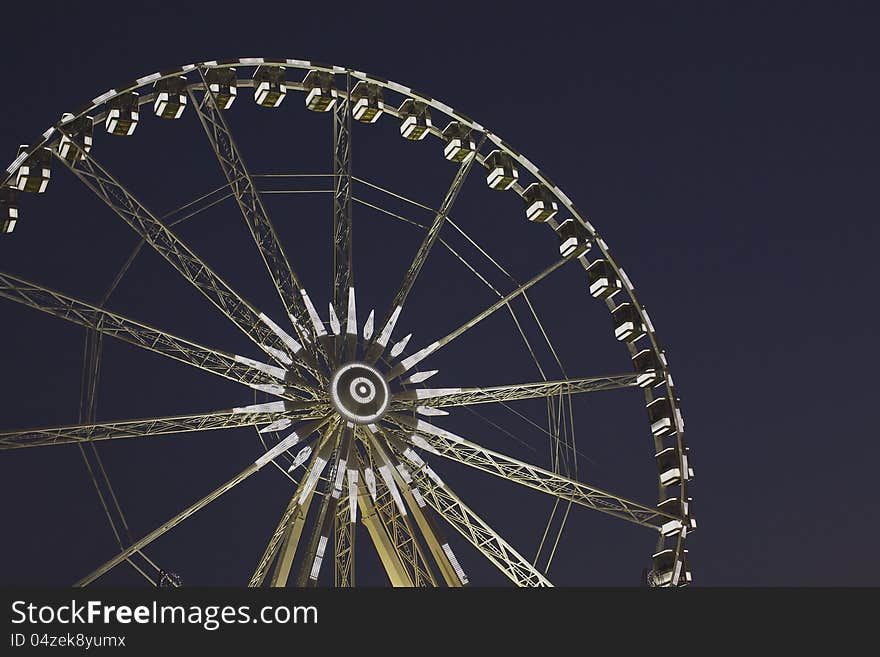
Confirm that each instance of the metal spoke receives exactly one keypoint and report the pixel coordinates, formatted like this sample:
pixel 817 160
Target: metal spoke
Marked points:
pixel 394 520
pixel 343 274
pixel 345 529
pixel 419 356
pixel 418 262
pixel 440 397
pixel 90 433
pixel 237 368
pixel 242 184
pixel 450 507
pixel 181 257
pixel 447 444
pixel 303 432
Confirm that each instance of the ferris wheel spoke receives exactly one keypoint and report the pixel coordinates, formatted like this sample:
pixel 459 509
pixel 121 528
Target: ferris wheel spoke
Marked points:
pixel 303 432
pixel 449 445
pixel 442 397
pixel 408 363
pixel 243 370
pixel 474 529
pixel 250 203
pixel 343 274
pixel 86 433
pixel 418 262
pixel 183 259
pixel 447 563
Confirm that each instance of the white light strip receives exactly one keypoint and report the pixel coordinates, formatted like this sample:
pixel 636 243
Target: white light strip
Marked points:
pixel 271 370
pixel 370 481
pixel 105 96
pixel 271 388
pixel 278 354
pixel 313 314
pixel 421 425
pixel 410 455
pixel 286 338
pixel 417 495
pixel 404 473
pixel 418 377
pixel 388 478
pixel 284 445
pixel 455 565
pixel 419 356
pixel 418 441
pixel 430 411
pixel 385 335
pixel 433 475
pixel 312 479
pixel 334 320
pixel 268 407
pixel 368 326
pixel 398 348
pixel 340 474
pixel 351 319
pixel 278 425
pixel 300 458
pixel 352 495
pixel 149 78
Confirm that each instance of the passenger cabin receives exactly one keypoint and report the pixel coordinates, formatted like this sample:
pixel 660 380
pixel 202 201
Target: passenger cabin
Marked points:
pixel 572 236
pixel 460 145
pixel 664 568
pixel 269 86
pixel 670 466
pixel 502 170
pixel 628 326
pixel 320 91
pixel 673 507
pixel 367 101
pixel 415 119
pixel 222 83
pixel 122 114
pixel 604 283
pixel 541 205
pixel 77 138
pixel 660 415
pixel 34 173
pixel 8 210
pixel 649 370
pixel 171 98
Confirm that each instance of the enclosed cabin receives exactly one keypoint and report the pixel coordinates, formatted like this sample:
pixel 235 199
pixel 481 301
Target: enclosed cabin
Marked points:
pixel 502 170
pixel 460 145
pixel 222 83
pixel 170 97
pixel 76 137
pixel 541 205
pixel 270 87
pixel 604 282
pixel 664 570
pixel 415 120
pixel 320 91
pixel 628 325
pixel 661 417
pixel 572 236
pixel 649 368
pixel 683 515
pixel 8 210
pixel 671 465
pixel 122 114
pixel 34 172
pixel 367 102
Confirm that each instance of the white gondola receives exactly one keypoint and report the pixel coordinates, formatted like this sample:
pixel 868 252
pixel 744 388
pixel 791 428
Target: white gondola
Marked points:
pixel 541 205
pixel 416 119
pixel 460 145
pixel 170 97
pixel 367 101
pixel 628 325
pixel 670 466
pixel 664 568
pixel 502 170
pixel 122 114
pixel 604 283
pixel 8 210
pixel 683 514
pixel 270 87
pixel 572 237
pixel 34 173
pixel 222 83
pixel 81 131
pixel 661 417
pixel 649 370
pixel 320 91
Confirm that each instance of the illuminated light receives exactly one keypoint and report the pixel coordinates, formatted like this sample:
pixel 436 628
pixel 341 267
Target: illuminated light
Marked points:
pixel 271 370
pixel 270 88
pixel 122 115
pixel 540 203
pixel 460 145
pixel 419 377
pixel 368 102
pixel 572 237
pixel 222 84
pixel 171 98
pixel 320 91
pixel 34 173
pixel 416 119
pixel 502 170
pixel 398 348
pixel 77 138
pixel 368 326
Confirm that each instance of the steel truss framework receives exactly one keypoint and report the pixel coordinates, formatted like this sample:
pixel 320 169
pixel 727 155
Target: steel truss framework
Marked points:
pixel 356 465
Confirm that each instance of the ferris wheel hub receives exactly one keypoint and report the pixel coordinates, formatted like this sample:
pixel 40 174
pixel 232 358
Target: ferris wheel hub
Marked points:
pixel 359 393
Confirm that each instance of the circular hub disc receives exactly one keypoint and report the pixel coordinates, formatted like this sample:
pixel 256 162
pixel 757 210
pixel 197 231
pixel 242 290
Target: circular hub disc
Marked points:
pixel 359 393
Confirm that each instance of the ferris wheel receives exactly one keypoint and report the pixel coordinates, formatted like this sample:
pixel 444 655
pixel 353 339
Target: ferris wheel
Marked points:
pixel 344 402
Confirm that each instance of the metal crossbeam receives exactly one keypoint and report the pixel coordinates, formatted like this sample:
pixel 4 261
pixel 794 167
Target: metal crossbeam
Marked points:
pixel 343 275
pixel 120 327
pixel 440 397
pixel 242 185
pixel 178 254
pixel 447 444
pixel 449 507
pixel 85 433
